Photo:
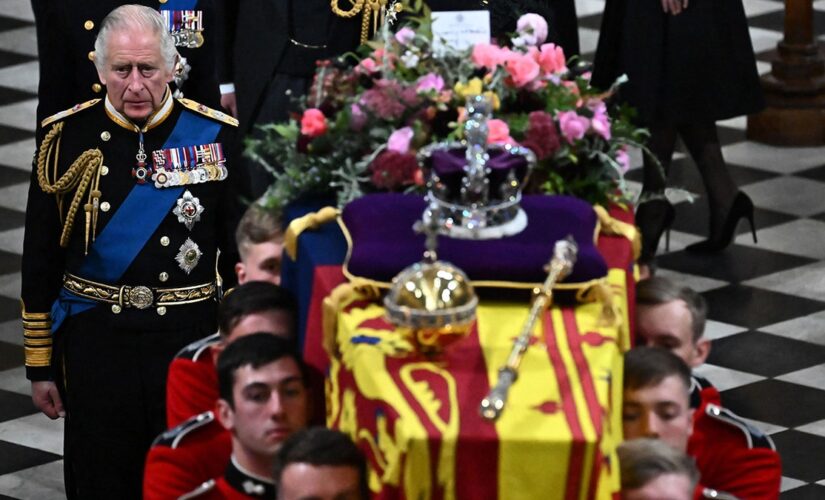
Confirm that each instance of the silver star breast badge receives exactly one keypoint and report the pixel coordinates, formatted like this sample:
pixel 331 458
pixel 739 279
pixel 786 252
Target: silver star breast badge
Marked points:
pixel 188 255
pixel 188 210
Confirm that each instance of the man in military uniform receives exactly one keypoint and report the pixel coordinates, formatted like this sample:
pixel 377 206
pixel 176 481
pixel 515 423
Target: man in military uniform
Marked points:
pixel 732 457
pixel 66 32
pixel 129 203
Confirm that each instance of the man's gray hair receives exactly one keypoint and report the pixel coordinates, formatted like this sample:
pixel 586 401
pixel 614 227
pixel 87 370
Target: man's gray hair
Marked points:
pixel 135 17
pixel 643 460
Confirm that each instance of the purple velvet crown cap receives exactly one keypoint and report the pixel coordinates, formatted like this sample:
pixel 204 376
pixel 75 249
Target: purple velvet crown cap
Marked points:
pixel 384 243
pixel 449 165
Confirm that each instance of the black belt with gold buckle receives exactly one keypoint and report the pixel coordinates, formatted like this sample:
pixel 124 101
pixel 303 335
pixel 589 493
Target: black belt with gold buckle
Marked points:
pixel 138 297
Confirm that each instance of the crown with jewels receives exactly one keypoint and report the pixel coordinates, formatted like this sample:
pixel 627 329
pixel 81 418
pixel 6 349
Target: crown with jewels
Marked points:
pixel 475 186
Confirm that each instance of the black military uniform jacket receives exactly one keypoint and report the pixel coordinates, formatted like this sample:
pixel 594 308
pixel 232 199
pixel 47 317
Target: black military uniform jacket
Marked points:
pixel 170 256
pixel 66 32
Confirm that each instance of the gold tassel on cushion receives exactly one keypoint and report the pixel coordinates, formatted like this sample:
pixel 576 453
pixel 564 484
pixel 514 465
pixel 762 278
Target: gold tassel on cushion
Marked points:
pixel 309 221
pixel 610 226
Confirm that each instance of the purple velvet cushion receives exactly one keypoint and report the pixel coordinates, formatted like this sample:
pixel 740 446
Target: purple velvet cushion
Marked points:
pixel 384 243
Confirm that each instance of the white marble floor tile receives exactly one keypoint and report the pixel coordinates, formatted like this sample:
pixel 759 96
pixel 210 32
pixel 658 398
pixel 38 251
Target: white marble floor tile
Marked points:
pixel 11 332
pixel 807 328
pixel 816 428
pixel 21 40
pixel 35 431
pixel 698 283
pixel 19 154
pixel 44 482
pixel 764 426
pixel 19 9
pixel 10 285
pixel 725 378
pixel 789 484
pixel 791 195
pixel 739 122
pixel 588 40
pixel 763 39
pixel 819 5
pixel 773 159
pixel 14 380
pixel 803 237
pixel 806 281
pixel 758 7
pixel 810 377
pixel 763 68
pixel 14 197
pixel 12 241
pixel 20 115
pixel 21 76
pixel 589 7
pixel 717 330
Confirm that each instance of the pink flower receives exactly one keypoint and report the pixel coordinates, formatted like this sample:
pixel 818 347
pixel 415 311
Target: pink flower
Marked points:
pixel 429 82
pixel 541 135
pixel 532 29
pixel 405 35
pixel 600 121
pixel 392 170
pixel 551 59
pixel 399 140
pixel 358 118
pixel 523 69
pixel 368 66
pixel 499 132
pixel 573 126
pixel 623 159
pixel 313 123
pixel 488 55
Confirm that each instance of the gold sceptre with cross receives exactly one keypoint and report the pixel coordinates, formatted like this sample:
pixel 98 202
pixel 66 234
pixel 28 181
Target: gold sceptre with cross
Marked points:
pixel 564 256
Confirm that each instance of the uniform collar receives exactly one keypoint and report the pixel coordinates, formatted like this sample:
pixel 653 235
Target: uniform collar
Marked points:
pixel 247 482
pixel 152 121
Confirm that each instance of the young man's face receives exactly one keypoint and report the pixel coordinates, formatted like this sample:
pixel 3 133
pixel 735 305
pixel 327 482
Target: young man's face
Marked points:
pixel 660 411
pixel 301 481
pixel 670 326
pixel 277 322
pixel 262 262
pixel 270 403
pixel 135 73
pixel 669 486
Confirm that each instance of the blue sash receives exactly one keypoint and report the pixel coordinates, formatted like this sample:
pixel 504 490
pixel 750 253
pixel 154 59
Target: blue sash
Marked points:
pixel 179 5
pixel 134 222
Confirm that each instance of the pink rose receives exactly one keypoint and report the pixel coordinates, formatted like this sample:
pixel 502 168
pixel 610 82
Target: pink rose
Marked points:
pixel 313 123
pixel 498 132
pixel 623 159
pixel 358 117
pixel 523 69
pixel 551 59
pixel 532 29
pixel 488 55
pixel 600 121
pixel 368 66
pixel 399 140
pixel 429 82
pixel 405 36
pixel 573 126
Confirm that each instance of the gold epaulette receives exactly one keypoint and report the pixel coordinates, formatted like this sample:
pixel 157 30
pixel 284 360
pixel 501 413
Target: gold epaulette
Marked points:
pixel 67 112
pixel 37 338
pixel 207 111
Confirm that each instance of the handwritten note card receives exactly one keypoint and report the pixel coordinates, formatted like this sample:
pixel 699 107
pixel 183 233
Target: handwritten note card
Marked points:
pixel 460 29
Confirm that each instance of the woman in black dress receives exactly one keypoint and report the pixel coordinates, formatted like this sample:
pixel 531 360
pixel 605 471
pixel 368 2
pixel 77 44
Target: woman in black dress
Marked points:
pixel 689 64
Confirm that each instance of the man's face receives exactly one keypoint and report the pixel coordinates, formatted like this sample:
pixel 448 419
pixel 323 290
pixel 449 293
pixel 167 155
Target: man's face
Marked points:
pixel 301 481
pixel 135 73
pixel 270 404
pixel 669 326
pixel 261 263
pixel 659 411
pixel 277 322
pixel 670 486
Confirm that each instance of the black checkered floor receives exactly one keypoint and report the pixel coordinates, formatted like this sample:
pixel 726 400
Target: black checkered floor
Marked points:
pixel 767 300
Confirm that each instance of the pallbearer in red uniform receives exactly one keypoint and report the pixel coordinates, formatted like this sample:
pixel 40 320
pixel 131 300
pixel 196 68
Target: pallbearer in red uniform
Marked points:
pixel 263 400
pixel 192 383
pixel 732 457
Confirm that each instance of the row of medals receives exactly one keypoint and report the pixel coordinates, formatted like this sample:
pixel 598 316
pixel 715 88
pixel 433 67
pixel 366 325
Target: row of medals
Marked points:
pixel 198 175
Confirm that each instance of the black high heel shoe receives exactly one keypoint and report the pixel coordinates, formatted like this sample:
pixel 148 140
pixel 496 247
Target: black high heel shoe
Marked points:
pixel 653 217
pixel 742 208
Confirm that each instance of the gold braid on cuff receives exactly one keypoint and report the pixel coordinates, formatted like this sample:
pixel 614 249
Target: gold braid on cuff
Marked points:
pixel 37 338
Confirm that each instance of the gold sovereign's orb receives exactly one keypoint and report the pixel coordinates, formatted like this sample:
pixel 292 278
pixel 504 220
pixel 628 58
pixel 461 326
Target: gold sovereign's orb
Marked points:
pixel 433 304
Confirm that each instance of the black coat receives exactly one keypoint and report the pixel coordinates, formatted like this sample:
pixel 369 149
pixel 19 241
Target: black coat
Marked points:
pixel 695 66
pixel 65 40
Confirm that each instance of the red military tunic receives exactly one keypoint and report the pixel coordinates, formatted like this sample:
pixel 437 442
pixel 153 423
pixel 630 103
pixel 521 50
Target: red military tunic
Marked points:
pixel 192 383
pixel 235 484
pixel 185 457
pixel 732 456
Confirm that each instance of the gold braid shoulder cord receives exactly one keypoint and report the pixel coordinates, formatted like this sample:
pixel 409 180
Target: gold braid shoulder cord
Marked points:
pixel 371 9
pixel 85 170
